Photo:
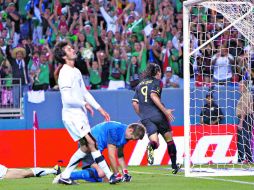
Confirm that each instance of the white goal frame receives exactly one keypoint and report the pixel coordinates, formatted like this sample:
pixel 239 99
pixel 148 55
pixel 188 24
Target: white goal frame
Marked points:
pixel 189 171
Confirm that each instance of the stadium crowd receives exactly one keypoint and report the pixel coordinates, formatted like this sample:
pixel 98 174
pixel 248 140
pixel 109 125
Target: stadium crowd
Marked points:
pixel 227 59
pixel 115 40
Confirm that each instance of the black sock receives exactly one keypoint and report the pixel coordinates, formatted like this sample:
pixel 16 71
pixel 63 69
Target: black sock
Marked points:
pixel 172 152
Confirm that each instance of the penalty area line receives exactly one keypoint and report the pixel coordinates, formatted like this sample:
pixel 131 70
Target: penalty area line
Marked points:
pixel 227 180
pixel 206 178
pixel 151 173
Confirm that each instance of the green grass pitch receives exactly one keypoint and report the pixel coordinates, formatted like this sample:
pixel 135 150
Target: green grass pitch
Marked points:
pixel 144 178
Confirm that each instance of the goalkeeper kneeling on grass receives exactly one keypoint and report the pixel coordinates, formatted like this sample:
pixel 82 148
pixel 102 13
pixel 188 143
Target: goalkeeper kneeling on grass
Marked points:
pixel 112 135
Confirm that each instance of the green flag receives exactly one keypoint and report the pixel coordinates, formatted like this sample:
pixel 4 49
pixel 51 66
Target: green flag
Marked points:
pixel 137 26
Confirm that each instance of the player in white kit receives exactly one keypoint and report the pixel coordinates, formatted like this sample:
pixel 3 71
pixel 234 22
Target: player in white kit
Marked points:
pixel 76 101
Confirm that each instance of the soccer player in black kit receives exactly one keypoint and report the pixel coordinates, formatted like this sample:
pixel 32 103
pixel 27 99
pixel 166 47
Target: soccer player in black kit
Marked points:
pixel 154 116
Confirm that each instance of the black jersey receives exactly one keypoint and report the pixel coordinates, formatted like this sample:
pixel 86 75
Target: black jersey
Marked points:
pixel 211 113
pixel 147 107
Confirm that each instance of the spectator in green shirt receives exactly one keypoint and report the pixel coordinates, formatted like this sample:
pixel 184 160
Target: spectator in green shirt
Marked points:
pixel 170 58
pixel 45 60
pixel 34 67
pixel 117 70
pixel 132 77
pixel 141 51
pixel 95 74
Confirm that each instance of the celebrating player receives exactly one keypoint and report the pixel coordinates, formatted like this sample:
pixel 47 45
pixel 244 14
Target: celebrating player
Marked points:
pixel 13 173
pixel 154 116
pixel 74 113
pixel 112 135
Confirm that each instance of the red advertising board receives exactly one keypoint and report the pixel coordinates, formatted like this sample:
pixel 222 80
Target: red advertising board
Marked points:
pixel 208 144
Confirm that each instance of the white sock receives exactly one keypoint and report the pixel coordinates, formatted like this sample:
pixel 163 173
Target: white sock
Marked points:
pixel 74 161
pixel 103 165
pixel 42 171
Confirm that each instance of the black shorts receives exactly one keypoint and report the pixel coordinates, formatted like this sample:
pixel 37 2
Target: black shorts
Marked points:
pixel 87 161
pixel 157 124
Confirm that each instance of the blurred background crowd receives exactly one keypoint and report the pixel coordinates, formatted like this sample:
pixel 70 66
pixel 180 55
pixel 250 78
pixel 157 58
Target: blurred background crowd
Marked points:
pixel 114 40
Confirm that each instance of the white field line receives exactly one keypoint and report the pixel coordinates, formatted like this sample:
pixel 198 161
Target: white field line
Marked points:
pixel 207 178
pixel 227 180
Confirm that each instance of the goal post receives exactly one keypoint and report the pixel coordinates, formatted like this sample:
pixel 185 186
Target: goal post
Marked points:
pixel 186 59
pixel 218 38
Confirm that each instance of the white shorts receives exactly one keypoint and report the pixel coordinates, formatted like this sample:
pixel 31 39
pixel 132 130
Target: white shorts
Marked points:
pixel 3 171
pixel 76 124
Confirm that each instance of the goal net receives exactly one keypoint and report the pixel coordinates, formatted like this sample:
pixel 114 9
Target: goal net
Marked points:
pixel 218 54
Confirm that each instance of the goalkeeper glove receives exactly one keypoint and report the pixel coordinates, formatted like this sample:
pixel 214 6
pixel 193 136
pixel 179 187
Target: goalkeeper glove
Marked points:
pixel 126 176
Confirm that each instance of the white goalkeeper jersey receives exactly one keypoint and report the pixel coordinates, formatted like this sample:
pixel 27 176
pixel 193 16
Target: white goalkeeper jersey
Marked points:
pixel 74 93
